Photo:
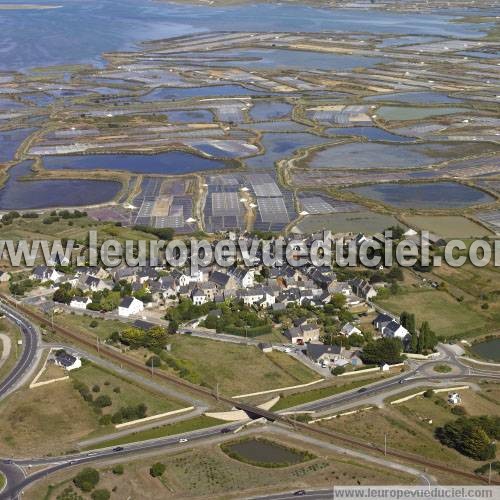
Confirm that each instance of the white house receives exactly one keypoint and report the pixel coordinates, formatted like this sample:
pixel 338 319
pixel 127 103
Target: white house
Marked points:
pixel 129 306
pixel 67 361
pixel 395 330
pixel 244 277
pixel 349 329
pixel 80 302
pixel 4 277
pixel 198 297
pixel 454 398
pixel 44 273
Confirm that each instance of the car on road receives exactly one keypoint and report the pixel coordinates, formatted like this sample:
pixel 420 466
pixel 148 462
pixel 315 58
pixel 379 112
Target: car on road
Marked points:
pixel 363 389
pixel 8 462
pixel 402 381
pixel 183 440
pixel 225 430
pixel 91 454
pixel 118 448
pixel 300 493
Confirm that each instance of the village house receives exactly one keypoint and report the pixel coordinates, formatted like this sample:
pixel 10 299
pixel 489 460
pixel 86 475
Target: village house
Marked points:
pixel 44 273
pixel 130 306
pixel 303 333
pixel 323 355
pixel 223 281
pixel 198 297
pixel 349 329
pixel 80 302
pixel 363 289
pixel 67 361
pixel 243 277
pixel 389 327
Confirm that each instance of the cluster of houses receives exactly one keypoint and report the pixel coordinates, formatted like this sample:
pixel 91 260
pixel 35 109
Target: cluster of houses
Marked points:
pixel 282 285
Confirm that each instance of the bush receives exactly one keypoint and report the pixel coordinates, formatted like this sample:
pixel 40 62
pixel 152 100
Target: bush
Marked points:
pixel 94 323
pixel 96 388
pixel 458 410
pixel 105 420
pixel 153 361
pixel 118 470
pixel 86 479
pixel 338 370
pixel 100 495
pixel 428 393
pixel 157 469
pixel 103 401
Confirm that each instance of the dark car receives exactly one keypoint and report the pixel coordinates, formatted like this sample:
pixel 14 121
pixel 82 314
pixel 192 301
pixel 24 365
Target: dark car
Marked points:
pixel 118 448
pixel 8 461
pixel 225 430
pixel 300 493
pixel 363 389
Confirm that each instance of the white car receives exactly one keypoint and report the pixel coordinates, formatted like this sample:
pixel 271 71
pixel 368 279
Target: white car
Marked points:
pixel 183 440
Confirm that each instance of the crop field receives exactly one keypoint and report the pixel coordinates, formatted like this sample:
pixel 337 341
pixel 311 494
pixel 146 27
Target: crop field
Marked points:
pixel 448 226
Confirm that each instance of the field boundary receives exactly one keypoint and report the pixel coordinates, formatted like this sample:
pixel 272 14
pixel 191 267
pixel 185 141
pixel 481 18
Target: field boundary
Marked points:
pixel 445 389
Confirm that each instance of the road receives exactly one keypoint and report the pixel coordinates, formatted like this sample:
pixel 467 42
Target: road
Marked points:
pixel 29 355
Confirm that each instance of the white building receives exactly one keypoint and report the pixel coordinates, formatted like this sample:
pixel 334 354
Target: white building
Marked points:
pixel 80 302
pixel 129 306
pixel 349 329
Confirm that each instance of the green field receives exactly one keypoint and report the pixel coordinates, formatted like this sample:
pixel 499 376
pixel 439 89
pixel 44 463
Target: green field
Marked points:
pixel 445 314
pixel 7 328
pixel 237 368
pixel 81 323
pixel 448 226
pixel 130 394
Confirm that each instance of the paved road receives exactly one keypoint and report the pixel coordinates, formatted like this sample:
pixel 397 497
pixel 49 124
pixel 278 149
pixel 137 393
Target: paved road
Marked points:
pixel 29 354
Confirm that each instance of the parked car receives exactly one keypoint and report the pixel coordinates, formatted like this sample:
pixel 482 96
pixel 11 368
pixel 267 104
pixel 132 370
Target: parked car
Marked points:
pixel 118 448
pixel 183 440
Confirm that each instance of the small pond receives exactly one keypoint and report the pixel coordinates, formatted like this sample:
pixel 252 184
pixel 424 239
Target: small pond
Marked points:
pixel 264 452
pixel 488 350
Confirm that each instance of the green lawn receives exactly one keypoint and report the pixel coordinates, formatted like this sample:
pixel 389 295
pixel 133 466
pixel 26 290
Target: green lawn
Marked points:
pixel 130 393
pixel 80 323
pixel 448 226
pixel 7 328
pixel 181 427
pixel 445 314
pixel 237 368
pixel 2 481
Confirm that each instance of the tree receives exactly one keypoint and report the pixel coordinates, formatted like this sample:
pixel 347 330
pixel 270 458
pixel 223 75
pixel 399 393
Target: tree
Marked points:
pixel 471 436
pixel 64 294
pixel 157 469
pixel 100 495
pixel 338 300
pixel 86 479
pixel 384 350
pixel 173 326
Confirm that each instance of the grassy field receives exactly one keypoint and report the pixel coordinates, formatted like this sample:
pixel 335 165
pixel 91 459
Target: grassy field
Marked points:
pixel 476 281
pixel 445 315
pixel 206 472
pixel 448 226
pixel 79 323
pixel 192 424
pixel 48 419
pixel 238 369
pixel 130 394
pixel 7 328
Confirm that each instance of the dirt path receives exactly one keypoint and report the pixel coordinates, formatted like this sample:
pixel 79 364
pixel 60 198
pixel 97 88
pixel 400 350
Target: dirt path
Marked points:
pixel 6 346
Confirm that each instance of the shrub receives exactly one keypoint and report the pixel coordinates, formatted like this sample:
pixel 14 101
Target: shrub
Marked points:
pixel 458 410
pixel 338 370
pixel 118 470
pixel 100 495
pixel 157 469
pixel 103 401
pixel 153 361
pixel 428 393
pixel 93 323
pixel 96 388
pixel 86 479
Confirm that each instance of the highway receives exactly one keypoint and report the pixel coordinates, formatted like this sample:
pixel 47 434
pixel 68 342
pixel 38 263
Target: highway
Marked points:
pixel 29 352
